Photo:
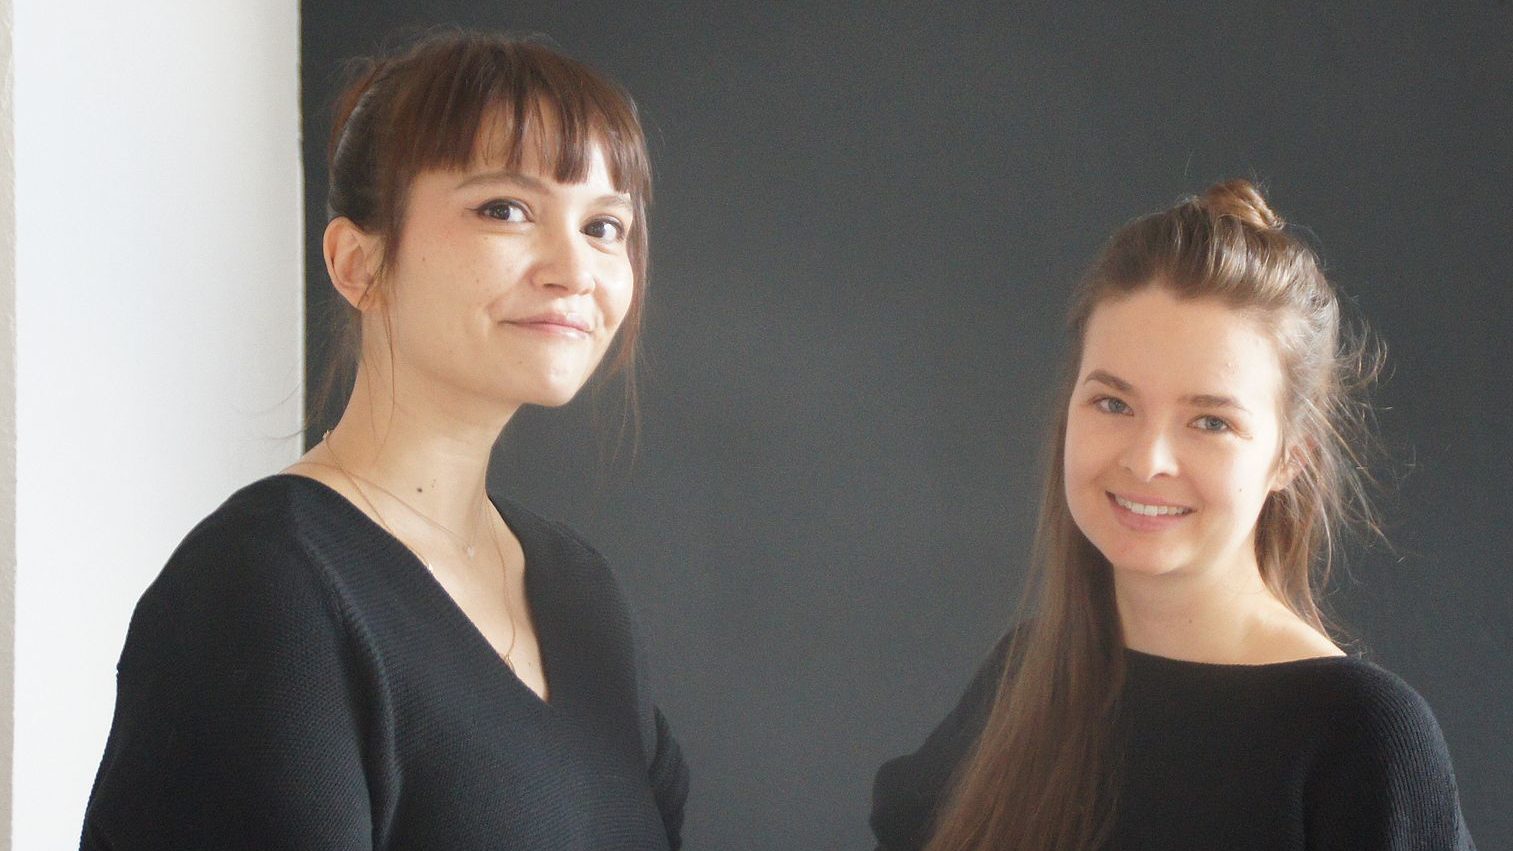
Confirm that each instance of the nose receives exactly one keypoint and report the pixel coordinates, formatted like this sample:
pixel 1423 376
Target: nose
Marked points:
pixel 565 261
pixel 1149 454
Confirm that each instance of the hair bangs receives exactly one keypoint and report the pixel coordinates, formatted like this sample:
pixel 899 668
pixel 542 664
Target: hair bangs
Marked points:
pixel 498 103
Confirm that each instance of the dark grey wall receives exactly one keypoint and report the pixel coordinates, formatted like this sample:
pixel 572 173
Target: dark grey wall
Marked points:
pixel 867 218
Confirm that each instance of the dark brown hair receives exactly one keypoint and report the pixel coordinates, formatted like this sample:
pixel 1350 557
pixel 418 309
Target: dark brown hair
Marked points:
pixel 1044 772
pixel 456 98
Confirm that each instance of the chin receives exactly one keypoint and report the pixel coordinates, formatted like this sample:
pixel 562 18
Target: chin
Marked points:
pixel 553 398
pixel 544 388
pixel 1144 566
pixel 1141 560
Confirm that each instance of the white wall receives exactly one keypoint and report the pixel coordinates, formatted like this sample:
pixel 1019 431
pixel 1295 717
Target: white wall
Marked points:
pixel 158 295
pixel 7 418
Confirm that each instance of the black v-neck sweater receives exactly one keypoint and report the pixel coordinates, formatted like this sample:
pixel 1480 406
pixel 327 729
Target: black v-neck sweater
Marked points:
pixel 1329 753
pixel 296 679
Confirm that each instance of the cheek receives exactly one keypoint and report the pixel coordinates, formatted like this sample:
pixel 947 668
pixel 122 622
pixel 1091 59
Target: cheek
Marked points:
pixel 1086 448
pixel 616 288
pixel 1082 473
pixel 1244 483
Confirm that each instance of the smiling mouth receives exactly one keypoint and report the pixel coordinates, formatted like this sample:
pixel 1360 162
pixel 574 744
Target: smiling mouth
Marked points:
pixel 567 326
pixel 1150 510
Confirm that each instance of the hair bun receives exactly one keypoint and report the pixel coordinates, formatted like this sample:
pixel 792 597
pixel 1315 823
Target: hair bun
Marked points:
pixel 1239 199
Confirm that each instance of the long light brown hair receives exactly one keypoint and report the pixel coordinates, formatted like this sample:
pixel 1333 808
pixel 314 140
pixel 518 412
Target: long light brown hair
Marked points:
pixel 1044 773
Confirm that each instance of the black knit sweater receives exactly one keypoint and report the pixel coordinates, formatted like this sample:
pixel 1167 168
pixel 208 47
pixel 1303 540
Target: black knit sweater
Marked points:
pixel 1328 753
pixel 296 679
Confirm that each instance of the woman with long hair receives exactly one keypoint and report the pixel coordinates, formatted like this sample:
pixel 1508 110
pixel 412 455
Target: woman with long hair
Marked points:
pixel 1172 684
pixel 369 650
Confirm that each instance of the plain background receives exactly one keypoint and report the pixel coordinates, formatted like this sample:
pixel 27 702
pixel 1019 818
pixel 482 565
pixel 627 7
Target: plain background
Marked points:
pixel 154 336
pixel 867 219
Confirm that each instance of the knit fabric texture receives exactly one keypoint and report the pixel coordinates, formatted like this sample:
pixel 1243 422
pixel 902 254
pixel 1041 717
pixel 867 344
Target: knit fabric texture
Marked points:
pixel 296 679
pixel 1327 753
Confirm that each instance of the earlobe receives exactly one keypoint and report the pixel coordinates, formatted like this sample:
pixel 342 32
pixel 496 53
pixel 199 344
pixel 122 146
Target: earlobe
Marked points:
pixel 352 256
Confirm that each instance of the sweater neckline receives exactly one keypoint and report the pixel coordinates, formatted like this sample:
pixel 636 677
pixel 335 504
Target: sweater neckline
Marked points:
pixel 1153 661
pixel 517 522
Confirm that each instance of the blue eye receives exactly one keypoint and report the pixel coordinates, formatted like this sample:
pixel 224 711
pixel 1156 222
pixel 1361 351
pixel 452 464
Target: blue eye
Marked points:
pixel 606 230
pixel 1211 423
pixel 503 211
pixel 1111 405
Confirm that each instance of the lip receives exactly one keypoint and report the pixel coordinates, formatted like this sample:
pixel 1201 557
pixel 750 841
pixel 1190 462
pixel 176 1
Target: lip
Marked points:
pixel 558 324
pixel 1144 522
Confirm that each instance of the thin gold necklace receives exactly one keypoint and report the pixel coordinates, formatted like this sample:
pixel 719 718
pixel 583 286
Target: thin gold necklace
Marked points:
pixel 469 545
pixel 509 612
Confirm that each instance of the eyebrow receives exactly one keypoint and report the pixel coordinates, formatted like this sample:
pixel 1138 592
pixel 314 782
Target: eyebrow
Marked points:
pixel 536 184
pixel 1210 400
pixel 1197 400
pixel 1104 377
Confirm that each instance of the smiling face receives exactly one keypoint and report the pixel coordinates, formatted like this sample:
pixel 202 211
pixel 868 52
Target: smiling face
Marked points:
pixel 1173 434
pixel 508 285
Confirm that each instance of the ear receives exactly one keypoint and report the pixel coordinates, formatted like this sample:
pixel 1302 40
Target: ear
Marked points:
pixel 352 261
pixel 1289 464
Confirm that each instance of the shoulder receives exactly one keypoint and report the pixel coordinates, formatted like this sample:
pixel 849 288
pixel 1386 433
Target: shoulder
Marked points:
pixel 525 521
pixel 263 530
pixel 555 546
pixel 1378 728
pixel 1373 704
pixel 1288 638
pixel 1354 703
pixel 245 706
pixel 250 565
pixel 265 513
pixel 1383 777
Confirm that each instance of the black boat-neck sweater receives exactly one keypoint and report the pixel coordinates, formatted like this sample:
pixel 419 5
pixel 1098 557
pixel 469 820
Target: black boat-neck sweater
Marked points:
pixel 1328 753
pixel 296 679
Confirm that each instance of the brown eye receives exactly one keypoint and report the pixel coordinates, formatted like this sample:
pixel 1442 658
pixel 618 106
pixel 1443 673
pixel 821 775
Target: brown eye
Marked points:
pixel 503 211
pixel 606 230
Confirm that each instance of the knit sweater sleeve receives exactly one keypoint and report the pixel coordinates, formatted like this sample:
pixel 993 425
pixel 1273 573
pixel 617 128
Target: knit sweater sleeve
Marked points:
pixel 1385 782
pixel 239 723
pixel 669 780
pixel 909 790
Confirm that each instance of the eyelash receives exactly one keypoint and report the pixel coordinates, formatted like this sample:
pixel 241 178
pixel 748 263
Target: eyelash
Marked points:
pixel 1106 404
pixel 487 209
pixel 621 231
pixel 1225 426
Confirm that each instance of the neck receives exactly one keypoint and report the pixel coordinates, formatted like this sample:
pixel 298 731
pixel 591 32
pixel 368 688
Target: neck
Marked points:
pixel 432 455
pixel 1203 616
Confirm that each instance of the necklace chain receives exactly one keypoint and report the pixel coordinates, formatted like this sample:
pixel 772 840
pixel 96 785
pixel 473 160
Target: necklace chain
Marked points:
pixel 468 548
pixel 509 612
pixel 468 545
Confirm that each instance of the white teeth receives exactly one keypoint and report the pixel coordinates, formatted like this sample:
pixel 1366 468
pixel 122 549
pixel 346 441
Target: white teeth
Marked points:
pixel 1151 510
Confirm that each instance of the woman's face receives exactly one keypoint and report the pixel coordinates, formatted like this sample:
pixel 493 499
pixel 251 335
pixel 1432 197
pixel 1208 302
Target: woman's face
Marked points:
pixel 1173 434
pixel 509 286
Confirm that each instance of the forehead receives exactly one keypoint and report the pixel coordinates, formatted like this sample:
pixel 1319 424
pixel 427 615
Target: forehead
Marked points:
pixel 1164 345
